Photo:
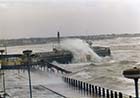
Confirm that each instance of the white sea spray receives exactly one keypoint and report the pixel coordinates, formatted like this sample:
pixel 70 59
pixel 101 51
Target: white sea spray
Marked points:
pixel 80 50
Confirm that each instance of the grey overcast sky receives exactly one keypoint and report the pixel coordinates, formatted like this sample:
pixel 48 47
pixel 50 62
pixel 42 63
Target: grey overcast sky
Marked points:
pixel 43 18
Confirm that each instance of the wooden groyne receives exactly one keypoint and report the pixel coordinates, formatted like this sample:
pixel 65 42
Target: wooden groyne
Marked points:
pixel 94 89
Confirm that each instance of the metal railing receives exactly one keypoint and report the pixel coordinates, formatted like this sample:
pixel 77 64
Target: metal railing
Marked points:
pixel 94 89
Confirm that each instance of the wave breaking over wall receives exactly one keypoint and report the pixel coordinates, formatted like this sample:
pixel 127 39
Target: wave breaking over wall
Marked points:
pixel 80 50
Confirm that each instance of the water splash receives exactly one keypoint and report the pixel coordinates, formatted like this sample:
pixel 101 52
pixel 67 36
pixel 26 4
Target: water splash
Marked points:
pixel 81 50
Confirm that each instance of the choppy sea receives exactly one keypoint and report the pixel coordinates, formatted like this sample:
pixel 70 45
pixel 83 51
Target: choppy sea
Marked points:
pixel 103 71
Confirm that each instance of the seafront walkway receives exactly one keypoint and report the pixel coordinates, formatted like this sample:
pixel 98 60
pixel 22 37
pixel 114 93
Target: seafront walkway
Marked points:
pixel 54 79
pixel 44 85
pixel 56 83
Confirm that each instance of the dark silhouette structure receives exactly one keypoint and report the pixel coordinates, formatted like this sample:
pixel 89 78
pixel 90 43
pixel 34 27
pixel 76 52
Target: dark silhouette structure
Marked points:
pixel 133 73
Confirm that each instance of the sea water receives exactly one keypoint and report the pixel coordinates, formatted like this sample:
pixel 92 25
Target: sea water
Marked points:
pixel 105 72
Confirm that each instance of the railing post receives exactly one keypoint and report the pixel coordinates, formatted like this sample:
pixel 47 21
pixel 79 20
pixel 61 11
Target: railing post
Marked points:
pixel 120 95
pixel 96 91
pixel 111 94
pixel 93 89
pixel 107 93
pixel 87 86
pixel 70 81
pixel 84 86
pixel 130 96
pixel 76 83
pixel 116 95
pixel 81 85
pixel 103 92
pixel 73 82
pixel 99 91
pixel 90 88
pixel 66 79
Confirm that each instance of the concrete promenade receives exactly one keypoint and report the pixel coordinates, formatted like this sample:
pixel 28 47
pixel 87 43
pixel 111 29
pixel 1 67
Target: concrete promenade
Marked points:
pixel 45 85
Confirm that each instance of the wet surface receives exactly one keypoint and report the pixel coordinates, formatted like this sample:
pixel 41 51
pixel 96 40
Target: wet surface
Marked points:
pixel 55 83
pixel 107 74
pixel 42 81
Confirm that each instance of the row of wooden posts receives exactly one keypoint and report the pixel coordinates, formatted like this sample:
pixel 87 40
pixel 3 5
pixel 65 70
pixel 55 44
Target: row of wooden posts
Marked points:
pixel 95 90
